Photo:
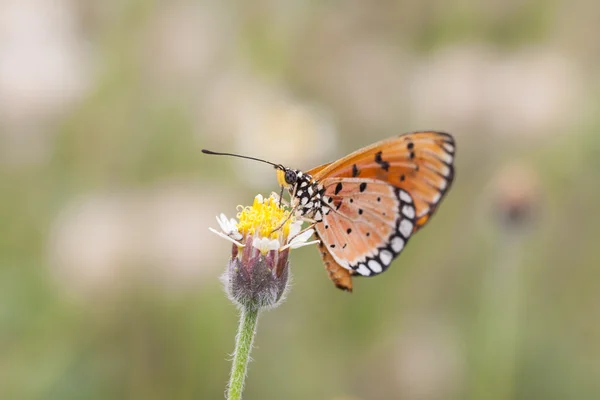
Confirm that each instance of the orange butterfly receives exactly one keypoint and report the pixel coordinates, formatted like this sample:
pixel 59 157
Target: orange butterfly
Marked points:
pixel 366 206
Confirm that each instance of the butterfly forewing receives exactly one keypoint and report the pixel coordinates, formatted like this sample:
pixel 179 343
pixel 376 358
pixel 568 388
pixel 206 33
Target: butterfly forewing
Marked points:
pixel 366 223
pixel 420 163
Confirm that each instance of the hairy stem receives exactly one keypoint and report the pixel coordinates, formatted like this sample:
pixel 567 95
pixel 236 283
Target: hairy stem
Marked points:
pixel 243 346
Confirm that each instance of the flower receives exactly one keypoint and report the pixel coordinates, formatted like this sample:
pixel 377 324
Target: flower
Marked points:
pixel 262 238
pixel 516 197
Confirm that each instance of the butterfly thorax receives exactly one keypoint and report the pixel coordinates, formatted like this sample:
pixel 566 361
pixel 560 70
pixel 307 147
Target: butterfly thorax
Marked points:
pixel 307 196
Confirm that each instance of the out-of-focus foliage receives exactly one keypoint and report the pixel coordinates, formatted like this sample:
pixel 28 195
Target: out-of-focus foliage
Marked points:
pixel 109 282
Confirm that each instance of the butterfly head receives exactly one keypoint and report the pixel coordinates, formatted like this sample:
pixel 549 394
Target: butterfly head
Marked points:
pixel 286 177
pixel 306 194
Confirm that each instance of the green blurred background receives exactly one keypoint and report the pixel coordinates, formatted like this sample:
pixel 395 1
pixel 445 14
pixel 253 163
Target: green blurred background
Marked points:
pixel 109 277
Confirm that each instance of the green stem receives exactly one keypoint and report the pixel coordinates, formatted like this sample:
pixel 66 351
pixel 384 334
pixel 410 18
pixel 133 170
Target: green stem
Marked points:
pixel 243 346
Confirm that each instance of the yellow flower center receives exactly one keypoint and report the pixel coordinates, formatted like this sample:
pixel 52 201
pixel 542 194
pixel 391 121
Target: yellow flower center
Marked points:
pixel 264 218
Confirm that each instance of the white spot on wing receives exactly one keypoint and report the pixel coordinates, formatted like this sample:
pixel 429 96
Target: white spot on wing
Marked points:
pixel 445 171
pixel 304 200
pixel 447 158
pixel 406 228
pixel 409 211
pixel 375 266
pixel 397 244
pixel 363 270
pixel 436 198
pixel 386 257
pixel 448 147
pixel 405 197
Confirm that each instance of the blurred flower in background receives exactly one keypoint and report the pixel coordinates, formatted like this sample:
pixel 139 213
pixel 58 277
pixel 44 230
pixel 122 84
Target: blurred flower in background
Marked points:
pixel 44 70
pixel 105 243
pixel 188 42
pixel 516 196
pixel 366 79
pixel 264 120
pixel 531 92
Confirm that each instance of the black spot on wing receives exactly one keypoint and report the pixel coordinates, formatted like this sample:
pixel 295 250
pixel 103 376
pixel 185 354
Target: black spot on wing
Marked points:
pixel 338 188
pixel 382 163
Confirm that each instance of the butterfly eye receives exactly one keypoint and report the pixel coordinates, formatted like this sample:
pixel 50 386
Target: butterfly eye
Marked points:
pixel 290 177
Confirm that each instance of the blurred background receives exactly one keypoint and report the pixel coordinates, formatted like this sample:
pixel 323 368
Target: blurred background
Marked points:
pixel 109 277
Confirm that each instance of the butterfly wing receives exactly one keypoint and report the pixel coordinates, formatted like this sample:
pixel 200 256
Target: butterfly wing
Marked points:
pixel 365 225
pixel 341 277
pixel 318 169
pixel 421 163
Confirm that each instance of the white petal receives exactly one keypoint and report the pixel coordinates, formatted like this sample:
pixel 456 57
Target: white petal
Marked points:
pixel 223 223
pixel 264 244
pixel 301 240
pixel 294 229
pixel 227 226
pixel 224 236
pixel 303 237
pixel 257 242
pixel 274 196
pixel 298 245
pixel 236 235
pixel 273 244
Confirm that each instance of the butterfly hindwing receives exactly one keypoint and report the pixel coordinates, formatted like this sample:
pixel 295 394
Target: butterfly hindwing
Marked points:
pixel 421 163
pixel 366 223
pixel 340 276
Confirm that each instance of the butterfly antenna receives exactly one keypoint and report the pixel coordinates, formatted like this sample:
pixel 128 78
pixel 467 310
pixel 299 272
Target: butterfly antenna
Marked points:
pixel 214 153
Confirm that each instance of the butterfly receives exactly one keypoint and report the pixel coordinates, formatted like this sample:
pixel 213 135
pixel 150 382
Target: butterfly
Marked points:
pixel 366 206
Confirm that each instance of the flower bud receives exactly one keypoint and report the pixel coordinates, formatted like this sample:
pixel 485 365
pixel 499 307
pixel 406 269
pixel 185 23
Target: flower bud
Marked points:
pixel 255 280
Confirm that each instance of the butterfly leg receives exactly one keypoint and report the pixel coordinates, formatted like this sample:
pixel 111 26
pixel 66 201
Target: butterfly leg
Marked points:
pixel 286 220
pixel 280 199
pixel 281 196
